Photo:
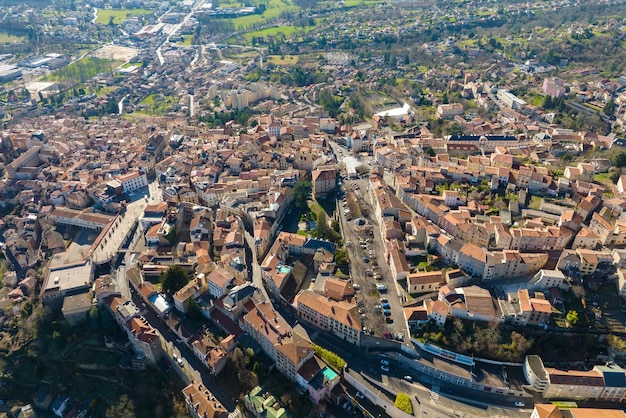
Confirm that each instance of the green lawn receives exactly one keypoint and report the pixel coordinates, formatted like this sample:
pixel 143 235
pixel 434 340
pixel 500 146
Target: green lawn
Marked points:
pixel 286 60
pixel 157 104
pixel 6 38
pixel 104 15
pixel 287 31
pixel 274 9
pixel 83 70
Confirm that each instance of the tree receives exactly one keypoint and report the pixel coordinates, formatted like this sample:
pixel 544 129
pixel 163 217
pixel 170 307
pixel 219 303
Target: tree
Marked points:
pixel 403 403
pixel 174 279
pixel 454 129
pixel 619 159
pixel 330 358
pixel 341 257
pixel 301 194
pixel 123 408
pixel 614 176
pixel 171 236
pixel 608 107
pixel 193 310
pixel 572 317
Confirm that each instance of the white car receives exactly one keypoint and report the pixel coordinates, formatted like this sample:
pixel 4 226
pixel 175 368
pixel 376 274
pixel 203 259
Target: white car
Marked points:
pixel 520 404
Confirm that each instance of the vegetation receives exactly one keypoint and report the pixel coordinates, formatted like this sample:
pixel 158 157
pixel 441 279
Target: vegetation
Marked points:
pixel 323 231
pixel 174 279
pixel 302 194
pixel 403 403
pixel 83 70
pixel 572 317
pixel 482 340
pixel 116 16
pixel 330 358
pixel 330 102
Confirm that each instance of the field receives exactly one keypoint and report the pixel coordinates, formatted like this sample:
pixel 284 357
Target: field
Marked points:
pixel 82 70
pixel 104 15
pixel 115 52
pixel 286 60
pixel 274 9
pixel 5 38
pixel 156 104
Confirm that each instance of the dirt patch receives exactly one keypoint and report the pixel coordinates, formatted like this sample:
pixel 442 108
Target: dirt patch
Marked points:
pixel 115 52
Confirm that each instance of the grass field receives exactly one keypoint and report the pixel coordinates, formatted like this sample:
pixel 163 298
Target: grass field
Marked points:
pixel 6 38
pixel 287 31
pixel 274 9
pixel 82 70
pixel 156 104
pixel 286 60
pixel 104 15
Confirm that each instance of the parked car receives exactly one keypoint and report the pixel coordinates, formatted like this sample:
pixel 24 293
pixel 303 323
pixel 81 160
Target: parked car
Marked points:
pixel 386 306
pixel 408 378
pixel 384 300
pixel 384 368
pixel 386 312
pixel 389 319
pixel 520 404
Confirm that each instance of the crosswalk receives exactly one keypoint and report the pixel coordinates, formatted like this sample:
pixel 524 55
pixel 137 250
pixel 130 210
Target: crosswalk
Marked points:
pixel 434 392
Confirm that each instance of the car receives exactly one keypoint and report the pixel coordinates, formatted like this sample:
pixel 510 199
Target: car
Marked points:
pixel 408 378
pixel 359 395
pixel 386 306
pixel 389 319
pixel 384 368
pixel 381 287
pixel 180 362
pixel 519 404
pixel 384 300
pixel 387 335
pixel 384 362
pixel 386 312
pixel 366 259
pixel 356 286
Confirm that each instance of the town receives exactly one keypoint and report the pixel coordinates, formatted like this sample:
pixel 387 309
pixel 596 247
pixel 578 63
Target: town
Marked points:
pixel 329 209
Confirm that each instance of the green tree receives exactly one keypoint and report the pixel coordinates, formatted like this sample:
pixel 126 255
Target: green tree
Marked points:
pixel 171 236
pixel 572 317
pixel 341 257
pixel 330 358
pixel 403 403
pixel 444 98
pixel 614 176
pixel 330 102
pixel 454 129
pixel 193 310
pixel 174 279
pixel 608 107
pixel 301 194
pixel 123 408
pixel 619 159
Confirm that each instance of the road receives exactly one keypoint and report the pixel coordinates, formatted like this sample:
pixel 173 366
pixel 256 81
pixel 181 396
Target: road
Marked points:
pixel 176 28
pixel 374 251
pixel 257 275
pixel 191 364
pixel 120 105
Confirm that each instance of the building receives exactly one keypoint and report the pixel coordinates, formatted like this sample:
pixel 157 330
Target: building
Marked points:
pixel 424 282
pixel 324 181
pixel 449 111
pixel 510 100
pixel 201 403
pixel 338 317
pixel 133 180
pixel 553 86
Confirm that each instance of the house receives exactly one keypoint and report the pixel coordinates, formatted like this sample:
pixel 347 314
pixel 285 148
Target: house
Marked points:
pixel 324 181
pixel 213 356
pixel 219 282
pixel 201 403
pixel 338 289
pixel 614 383
pixel 416 316
pixel 449 111
pixel 263 404
pixel 546 279
pixel 199 229
pixel 338 317
pixel 424 282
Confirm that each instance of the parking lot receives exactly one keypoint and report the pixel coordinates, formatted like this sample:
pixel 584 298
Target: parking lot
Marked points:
pixel 379 297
